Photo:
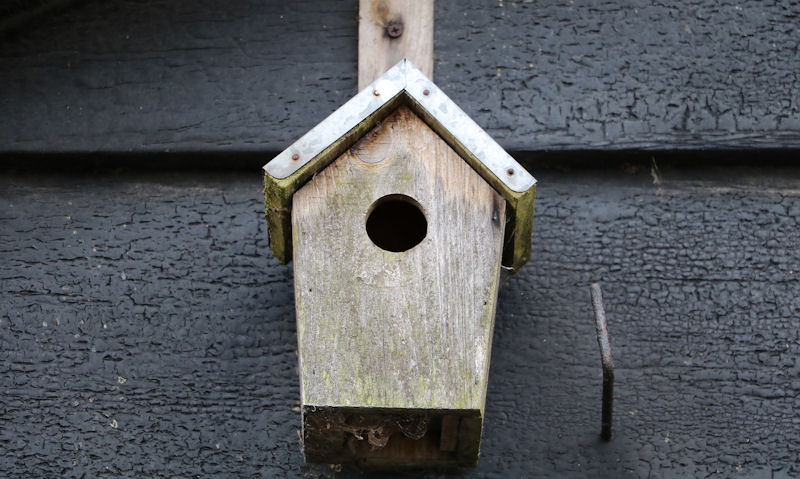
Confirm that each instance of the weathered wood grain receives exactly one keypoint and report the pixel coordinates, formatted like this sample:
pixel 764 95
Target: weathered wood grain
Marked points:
pixel 390 30
pixel 183 75
pixel 146 331
pixel 405 332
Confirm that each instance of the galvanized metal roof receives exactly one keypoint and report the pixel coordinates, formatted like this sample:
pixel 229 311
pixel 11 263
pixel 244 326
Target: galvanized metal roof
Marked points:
pixel 439 111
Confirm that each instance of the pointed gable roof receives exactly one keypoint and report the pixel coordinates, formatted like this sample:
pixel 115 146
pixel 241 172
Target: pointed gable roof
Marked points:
pixel 402 84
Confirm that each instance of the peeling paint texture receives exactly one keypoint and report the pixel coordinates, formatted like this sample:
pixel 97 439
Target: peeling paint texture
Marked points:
pixel 184 75
pixel 145 330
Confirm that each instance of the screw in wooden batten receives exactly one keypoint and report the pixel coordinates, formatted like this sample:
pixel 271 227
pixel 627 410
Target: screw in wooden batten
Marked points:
pixel 394 29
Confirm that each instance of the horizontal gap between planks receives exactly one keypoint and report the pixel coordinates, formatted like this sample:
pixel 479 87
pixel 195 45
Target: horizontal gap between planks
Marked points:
pixel 531 160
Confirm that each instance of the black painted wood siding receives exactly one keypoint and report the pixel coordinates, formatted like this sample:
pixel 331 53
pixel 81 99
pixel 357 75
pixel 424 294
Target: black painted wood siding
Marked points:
pixel 200 75
pixel 145 330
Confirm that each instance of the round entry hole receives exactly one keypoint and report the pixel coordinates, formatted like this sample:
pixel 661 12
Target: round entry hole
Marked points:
pixel 396 223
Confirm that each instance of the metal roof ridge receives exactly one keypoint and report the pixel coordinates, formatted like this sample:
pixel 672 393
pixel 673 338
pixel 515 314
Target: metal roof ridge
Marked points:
pixel 428 100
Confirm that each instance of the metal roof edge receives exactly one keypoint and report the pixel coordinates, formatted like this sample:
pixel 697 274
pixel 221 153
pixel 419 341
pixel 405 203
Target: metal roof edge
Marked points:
pixel 450 122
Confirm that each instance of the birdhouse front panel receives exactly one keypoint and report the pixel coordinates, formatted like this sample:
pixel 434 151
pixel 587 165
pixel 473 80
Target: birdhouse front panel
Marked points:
pixel 397 253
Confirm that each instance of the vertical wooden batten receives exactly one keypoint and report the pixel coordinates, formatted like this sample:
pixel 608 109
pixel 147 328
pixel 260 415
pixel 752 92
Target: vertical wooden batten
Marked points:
pixel 390 30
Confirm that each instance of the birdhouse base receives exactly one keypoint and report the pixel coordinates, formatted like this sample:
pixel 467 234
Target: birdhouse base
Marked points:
pixel 386 437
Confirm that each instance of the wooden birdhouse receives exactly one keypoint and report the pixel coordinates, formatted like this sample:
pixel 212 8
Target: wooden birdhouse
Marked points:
pixel 399 213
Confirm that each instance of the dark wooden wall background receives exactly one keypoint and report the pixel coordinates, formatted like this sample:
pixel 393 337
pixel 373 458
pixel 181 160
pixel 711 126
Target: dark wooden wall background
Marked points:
pixel 179 75
pixel 145 329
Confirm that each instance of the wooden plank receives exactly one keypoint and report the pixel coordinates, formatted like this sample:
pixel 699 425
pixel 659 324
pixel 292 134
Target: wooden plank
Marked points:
pixel 292 168
pixel 381 328
pixel 148 300
pixel 189 76
pixel 390 30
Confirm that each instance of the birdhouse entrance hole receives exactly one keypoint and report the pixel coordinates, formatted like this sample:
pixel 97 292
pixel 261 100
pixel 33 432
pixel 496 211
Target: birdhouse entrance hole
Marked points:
pixel 396 223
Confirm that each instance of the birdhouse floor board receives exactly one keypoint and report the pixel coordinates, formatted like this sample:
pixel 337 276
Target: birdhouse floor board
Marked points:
pixel 376 437
pixel 404 330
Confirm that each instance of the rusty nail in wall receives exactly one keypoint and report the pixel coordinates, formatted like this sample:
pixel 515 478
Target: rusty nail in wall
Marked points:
pixel 601 327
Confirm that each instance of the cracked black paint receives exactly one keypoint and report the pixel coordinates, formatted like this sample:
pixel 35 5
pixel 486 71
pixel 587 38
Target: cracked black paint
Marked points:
pixel 146 331
pixel 121 76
